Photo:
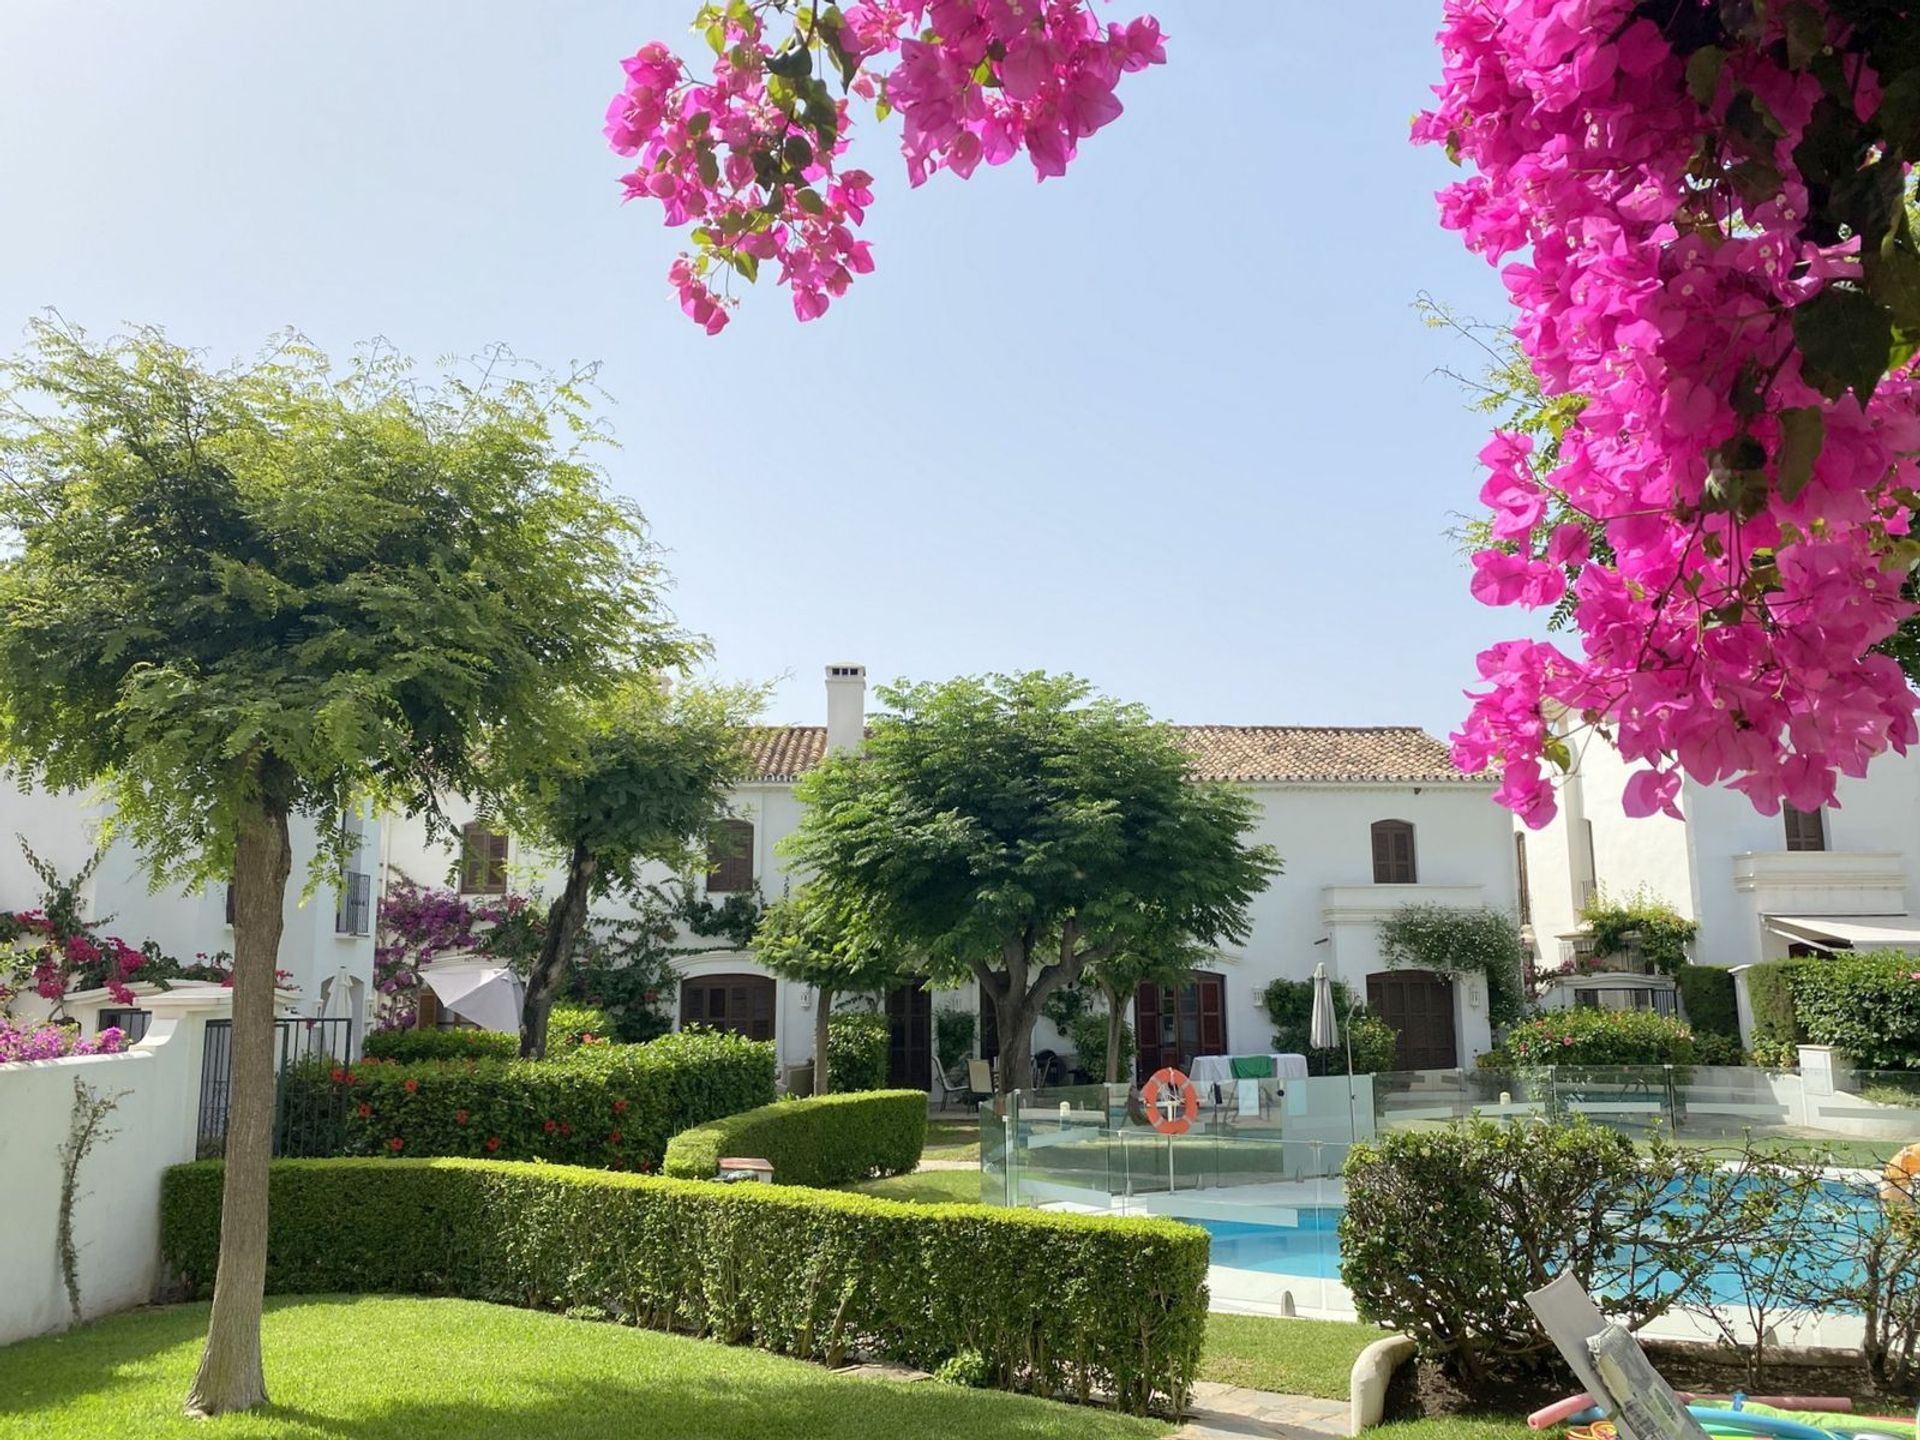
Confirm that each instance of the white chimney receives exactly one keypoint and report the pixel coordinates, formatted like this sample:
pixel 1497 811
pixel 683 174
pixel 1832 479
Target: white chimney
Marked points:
pixel 846 706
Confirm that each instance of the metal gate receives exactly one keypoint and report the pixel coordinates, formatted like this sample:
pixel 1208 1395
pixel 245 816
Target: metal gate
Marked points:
pixel 307 1116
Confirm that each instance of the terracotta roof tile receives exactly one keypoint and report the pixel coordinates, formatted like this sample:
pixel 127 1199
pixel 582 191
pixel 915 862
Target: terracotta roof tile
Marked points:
pixel 1244 753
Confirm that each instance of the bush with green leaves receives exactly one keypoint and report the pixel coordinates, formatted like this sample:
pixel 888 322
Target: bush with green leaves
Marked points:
pixel 408 1046
pixel 825 1140
pixel 1866 1004
pixel 569 1024
pixel 607 1105
pixel 1088 1036
pixel 1449 940
pixel 1706 994
pixel 857 1051
pixel 1776 1022
pixel 1644 923
pixel 952 1038
pixel 1064 1305
pixel 1289 1005
pixel 1446 1230
pixel 1594 1036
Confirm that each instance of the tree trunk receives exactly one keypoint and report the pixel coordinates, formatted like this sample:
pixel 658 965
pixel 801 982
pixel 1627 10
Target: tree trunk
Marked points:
pixel 822 1017
pixel 1115 1022
pixel 565 920
pixel 230 1375
pixel 1016 1023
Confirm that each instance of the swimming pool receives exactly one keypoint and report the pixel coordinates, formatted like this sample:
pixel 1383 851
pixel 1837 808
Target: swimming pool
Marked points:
pixel 1304 1243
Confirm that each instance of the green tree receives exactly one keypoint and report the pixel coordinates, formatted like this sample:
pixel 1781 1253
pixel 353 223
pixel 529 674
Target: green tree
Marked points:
pixel 1119 975
pixel 646 774
pixel 815 937
pixel 233 595
pixel 1018 829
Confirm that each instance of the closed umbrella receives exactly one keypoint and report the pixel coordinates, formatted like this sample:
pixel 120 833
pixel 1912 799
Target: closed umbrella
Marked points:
pixel 1323 1031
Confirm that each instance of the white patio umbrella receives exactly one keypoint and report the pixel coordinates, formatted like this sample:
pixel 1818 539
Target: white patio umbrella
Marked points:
pixel 1323 1028
pixel 488 995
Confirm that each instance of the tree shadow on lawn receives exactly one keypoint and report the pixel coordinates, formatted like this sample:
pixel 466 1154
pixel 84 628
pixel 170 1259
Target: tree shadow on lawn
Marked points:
pixel 368 1368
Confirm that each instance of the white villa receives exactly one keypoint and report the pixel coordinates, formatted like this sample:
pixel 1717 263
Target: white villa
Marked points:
pixel 1760 887
pixel 326 950
pixel 1365 819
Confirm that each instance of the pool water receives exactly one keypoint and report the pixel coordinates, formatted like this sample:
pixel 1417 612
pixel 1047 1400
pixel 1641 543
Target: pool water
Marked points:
pixel 1307 1244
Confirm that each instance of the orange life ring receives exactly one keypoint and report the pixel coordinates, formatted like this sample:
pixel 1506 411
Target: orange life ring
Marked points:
pixel 1901 1179
pixel 1170 1101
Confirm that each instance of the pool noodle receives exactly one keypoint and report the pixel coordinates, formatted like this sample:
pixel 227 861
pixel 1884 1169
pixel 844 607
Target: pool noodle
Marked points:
pixel 1559 1412
pixel 1757 1424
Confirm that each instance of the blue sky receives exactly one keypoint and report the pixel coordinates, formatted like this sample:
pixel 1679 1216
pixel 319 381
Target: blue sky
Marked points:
pixel 1170 422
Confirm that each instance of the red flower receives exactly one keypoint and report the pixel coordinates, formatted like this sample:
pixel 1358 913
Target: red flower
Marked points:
pixel 365 1110
pixel 411 1086
pixel 552 1125
pixel 565 1128
pixel 613 1138
pixel 396 1144
pixel 619 1107
pixel 459 1117
pixel 493 1143
pixel 339 1077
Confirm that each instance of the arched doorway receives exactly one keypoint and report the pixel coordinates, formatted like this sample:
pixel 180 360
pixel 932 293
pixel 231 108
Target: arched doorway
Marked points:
pixel 742 1004
pixel 1418 1004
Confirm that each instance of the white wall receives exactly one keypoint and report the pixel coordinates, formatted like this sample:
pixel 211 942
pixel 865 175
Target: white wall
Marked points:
pixel 116 1221
pixel 64 829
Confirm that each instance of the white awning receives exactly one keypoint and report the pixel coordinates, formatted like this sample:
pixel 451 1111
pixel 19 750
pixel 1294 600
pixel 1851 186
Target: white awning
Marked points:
pixel 488 995
pixel 1860 932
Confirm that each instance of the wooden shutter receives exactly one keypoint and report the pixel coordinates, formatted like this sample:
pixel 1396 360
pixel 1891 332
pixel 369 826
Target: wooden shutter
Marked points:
pixel 1147 1002
pixel 1806 829
pixel 1213 1014
pixel 730 858
pixel 742 1004
pixel 483 860
pixel 1393 853
pixel 1520 871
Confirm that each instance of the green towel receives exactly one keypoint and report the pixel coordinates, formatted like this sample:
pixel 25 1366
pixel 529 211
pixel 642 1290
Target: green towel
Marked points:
pixel 1252 1067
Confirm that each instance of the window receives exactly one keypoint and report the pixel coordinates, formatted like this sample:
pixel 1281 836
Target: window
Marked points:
pixel 355 909
pixel 1806 829
pixel 133 1023
pixel 229 902
pixel 483 860
pixel 742 1004
pixel 1393 852
pixel 730 857
pixel 1520 870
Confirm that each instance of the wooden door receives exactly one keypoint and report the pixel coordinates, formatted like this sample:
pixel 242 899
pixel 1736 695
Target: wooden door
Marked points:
pixel 910 1038
pixel 1418 1004
pixel 1171 1027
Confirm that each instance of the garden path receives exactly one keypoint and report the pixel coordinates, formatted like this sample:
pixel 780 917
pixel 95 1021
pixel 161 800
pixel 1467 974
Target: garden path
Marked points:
pixel 1230 1412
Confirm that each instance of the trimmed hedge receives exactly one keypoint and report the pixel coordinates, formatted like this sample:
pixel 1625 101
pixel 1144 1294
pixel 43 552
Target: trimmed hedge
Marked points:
pixel 614 1106
pixel 828 1140
pixel 1064 1305
pixel 857 1052
pixel 1776 1023
pixel 1706 993
pixel 1866 1004
pixel 410 1046
pixel 1581 1036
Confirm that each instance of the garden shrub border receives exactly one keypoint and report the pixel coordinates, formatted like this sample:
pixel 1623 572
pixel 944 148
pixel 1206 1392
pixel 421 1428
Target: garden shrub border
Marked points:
pixel 1706 994
pixel 1073 1307
pixel 823 1141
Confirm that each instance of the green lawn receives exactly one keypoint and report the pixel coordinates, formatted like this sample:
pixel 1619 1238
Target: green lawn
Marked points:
pixel 927 1187
pixel 1461 1427
pixel 950 1139
pixel 1295 1357
pixel 376 1368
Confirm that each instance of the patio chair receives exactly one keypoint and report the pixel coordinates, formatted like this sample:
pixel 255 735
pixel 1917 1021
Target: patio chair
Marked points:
pixel 979 1082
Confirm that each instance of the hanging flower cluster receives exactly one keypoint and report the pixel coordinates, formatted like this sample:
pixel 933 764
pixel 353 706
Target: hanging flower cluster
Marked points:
pixel 51 956
pixel 1711 198
pixel 418 924
pixel 750 155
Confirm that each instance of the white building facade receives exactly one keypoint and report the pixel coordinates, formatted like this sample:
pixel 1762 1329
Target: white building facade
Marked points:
pixel 326 949
pixel 1760 887
pixel 1366 820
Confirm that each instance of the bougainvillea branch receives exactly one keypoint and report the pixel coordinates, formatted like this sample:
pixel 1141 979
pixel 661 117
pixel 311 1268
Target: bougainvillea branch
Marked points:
pixel 751 155
pixel 1712 195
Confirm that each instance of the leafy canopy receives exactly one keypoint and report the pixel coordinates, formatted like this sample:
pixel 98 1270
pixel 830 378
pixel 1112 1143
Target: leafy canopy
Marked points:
pixel 280 582
pixel 990 817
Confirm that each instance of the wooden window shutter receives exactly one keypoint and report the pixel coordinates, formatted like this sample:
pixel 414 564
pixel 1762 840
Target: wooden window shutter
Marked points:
pixel 1393 853
pixel 1806 829
pixel 730 858
pixel 483 860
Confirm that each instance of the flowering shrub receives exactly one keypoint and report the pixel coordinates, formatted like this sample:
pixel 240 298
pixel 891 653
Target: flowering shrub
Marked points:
pixel 611 1106
pixel 418 923
pixel 1720 267
pixel 750 155
pixel 1596 1036
pixel 32 1040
